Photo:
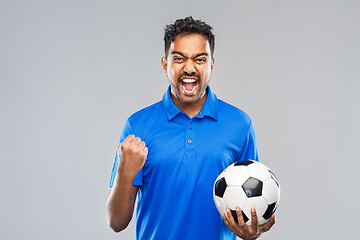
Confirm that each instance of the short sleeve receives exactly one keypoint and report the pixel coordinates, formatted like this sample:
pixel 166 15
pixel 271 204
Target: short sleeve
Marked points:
pixel 249 151
pixel 138 180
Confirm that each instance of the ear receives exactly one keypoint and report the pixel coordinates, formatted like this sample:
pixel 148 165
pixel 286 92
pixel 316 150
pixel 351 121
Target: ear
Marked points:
pixel 164 64
pixel 212 63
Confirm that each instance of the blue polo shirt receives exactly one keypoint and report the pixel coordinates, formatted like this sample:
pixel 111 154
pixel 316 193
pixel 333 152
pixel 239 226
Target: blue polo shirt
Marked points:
pixel 175 199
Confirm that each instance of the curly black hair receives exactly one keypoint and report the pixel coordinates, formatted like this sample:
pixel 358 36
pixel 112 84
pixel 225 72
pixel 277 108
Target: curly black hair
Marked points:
pixel 187 26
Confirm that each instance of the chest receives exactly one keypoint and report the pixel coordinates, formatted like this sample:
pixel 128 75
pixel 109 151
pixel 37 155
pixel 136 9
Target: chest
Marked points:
pixel 197 149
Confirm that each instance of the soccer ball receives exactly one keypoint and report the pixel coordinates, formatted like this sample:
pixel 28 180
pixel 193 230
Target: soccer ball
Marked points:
pixel 247 184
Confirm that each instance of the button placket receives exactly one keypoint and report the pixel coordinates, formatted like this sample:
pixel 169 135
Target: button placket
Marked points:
pixel 189 135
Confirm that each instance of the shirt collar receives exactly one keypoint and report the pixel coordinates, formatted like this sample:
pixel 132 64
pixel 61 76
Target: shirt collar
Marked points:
pixel 208 109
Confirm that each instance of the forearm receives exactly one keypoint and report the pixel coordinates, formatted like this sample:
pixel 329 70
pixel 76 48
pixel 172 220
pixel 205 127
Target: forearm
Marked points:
pixel 121 201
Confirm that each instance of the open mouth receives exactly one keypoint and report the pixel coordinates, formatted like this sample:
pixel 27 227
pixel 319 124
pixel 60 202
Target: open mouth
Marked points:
pixel 188 84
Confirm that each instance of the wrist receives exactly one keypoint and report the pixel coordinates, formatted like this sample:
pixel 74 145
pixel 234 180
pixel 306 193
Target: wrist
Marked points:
pixel 126 171
pixel 252 238
pixel 124 175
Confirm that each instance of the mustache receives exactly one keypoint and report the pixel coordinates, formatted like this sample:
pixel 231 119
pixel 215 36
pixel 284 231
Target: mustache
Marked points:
pixel 193 74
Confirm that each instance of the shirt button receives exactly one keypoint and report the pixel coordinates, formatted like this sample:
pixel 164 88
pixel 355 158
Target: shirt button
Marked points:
pixel 189 141
pixel 190 127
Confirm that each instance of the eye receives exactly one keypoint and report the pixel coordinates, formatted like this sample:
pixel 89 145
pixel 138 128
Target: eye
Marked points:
pixel 177 59
pixel 200 60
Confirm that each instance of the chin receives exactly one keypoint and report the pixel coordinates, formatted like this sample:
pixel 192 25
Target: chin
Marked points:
pixel 189 100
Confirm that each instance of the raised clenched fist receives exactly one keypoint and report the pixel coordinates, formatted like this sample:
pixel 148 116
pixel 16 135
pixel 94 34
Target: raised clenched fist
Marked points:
pixel 132 154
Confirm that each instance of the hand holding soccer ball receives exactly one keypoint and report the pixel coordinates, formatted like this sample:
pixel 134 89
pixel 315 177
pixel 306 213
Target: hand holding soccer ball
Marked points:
pixel 248 190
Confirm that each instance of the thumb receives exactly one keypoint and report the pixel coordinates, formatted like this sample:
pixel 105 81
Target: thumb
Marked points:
pixel 119 149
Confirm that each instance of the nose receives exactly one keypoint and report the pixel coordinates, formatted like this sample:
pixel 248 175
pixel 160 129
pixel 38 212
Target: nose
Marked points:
pixel 189 67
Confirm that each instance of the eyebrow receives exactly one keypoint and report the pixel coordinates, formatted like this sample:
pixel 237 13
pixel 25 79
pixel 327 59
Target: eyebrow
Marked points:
pixel 197 55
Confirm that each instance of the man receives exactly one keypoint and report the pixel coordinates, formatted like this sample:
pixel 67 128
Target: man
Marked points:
pixel 171 152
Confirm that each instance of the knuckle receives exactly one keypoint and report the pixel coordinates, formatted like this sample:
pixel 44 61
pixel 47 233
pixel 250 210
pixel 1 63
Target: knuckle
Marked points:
pixel 123 146
pixel 242 224
pixel 130 147
pixel 136 151
pixel 130 137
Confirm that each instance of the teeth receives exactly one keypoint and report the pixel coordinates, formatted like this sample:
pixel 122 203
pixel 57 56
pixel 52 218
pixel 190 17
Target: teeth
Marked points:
pixel 189 80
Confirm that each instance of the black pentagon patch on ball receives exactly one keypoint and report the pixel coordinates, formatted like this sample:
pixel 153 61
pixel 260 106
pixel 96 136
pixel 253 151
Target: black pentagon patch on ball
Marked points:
pixel 243 163
pixel 274 178
pixel 245 217
pixel 253 187
pixel 271 208
pixel 220 187
pixel 234 214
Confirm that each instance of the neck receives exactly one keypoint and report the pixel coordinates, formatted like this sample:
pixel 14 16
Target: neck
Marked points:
pixel 191 109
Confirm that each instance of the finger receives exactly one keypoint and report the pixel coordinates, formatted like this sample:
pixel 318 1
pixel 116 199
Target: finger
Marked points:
pixel 141 145
pixel 119 146
pixel 129 138
pixel 136 141
pixel 126 141
pixel 241 221
pixel 266 226
pixel 230 217
pixel 146 151
pixel 254 221
pixel 226 221
pixel 272 219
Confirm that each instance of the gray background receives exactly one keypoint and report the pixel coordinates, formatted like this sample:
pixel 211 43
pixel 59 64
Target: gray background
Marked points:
pixel 71 72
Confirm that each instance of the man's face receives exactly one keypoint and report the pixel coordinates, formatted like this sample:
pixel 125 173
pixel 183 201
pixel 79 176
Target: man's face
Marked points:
pixel 188 67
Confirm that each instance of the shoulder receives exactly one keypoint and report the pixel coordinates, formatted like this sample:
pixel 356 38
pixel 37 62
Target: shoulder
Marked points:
pixel 230 112
pixel 146 114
